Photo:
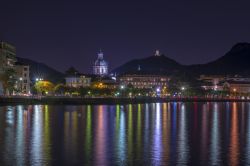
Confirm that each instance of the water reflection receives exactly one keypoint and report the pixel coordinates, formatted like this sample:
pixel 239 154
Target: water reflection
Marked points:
pixel 182 146
pixel 157 135
pixel 141 134
pixel 100 137
pixel 234 143
pixel 215 135
pixel 247 139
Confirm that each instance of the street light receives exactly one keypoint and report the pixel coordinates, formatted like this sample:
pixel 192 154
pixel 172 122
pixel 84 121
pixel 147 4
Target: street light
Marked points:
pixel 39 79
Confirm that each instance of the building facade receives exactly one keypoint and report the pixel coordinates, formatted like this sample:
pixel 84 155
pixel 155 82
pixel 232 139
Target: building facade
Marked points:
pixel 77 81
pixel 100 67
pixel 23 78
pixel 7 56
pixel 237 86
pixel 143 81
pixel 7 61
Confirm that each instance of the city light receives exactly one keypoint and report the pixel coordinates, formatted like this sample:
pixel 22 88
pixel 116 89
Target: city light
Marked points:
pixel 39 79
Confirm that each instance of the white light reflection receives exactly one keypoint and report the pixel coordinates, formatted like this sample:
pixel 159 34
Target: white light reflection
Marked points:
pixel 146 124
pixel 10 115
pixel 157 145
pixel 19 137
pixel 215 145
pixel 182 146
pixel 122 136
pixel 36 140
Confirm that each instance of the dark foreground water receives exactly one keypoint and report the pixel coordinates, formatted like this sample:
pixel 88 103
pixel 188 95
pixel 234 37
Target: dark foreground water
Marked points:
pixel 143 134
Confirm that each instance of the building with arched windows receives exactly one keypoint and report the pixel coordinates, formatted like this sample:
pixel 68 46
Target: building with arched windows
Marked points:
pixel 101 66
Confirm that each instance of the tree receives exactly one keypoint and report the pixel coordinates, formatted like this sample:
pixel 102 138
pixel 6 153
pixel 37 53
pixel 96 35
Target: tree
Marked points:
pixel 84 91
pixel 44 87
pixel 60 89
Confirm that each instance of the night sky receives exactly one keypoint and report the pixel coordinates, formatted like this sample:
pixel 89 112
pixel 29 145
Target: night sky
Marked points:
pixel 70 33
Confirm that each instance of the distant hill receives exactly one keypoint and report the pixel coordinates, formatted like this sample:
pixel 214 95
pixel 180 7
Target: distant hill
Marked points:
pixel 153 64
pixel 236 61
pixel 40 70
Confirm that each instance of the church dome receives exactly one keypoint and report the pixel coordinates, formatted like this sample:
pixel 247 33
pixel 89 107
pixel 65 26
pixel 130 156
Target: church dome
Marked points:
pixel 100 62
pixel 101 66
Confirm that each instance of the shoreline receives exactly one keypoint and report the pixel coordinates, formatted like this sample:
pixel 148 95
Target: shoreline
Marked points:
pixel 106 101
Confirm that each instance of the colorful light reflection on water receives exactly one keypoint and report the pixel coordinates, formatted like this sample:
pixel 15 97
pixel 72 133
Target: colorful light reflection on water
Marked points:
pixel 142 134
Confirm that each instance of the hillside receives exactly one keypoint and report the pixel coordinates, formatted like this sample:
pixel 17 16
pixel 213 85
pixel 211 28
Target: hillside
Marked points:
pixel 153 64
pixel 235 61
pixel 40 70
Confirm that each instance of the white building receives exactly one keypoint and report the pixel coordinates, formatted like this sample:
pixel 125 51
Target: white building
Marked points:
pixel 77 81
pixel 23 78
pixel 101 66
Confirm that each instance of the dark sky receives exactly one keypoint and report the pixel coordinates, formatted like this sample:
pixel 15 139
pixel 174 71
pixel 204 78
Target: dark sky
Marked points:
pixel 64 33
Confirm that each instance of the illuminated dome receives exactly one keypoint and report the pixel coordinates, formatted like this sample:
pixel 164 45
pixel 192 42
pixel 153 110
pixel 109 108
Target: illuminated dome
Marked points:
pixel 101 66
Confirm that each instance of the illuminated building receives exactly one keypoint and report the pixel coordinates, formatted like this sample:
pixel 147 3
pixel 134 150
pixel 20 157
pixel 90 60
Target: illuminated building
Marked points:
pixel 7 60
pixel 22 77
pixel 77 81
pixel 105 82
pixel 7 56
pixel 237 86
pixel 144 81
pixel 211 82
pixel 100 67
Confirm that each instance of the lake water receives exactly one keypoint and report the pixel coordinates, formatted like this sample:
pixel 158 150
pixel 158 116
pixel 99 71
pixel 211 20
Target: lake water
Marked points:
pixel 141 134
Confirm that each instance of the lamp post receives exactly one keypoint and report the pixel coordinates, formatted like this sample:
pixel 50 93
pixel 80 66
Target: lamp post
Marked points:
pixel 158 92
pixel 122 87
pixel 20 84
pixel 235 92
pixel 183 90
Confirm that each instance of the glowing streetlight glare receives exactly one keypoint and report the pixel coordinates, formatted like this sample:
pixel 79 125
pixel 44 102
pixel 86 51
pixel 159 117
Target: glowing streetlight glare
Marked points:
pixel 158 90
pixel 183 88
pixel 122 87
